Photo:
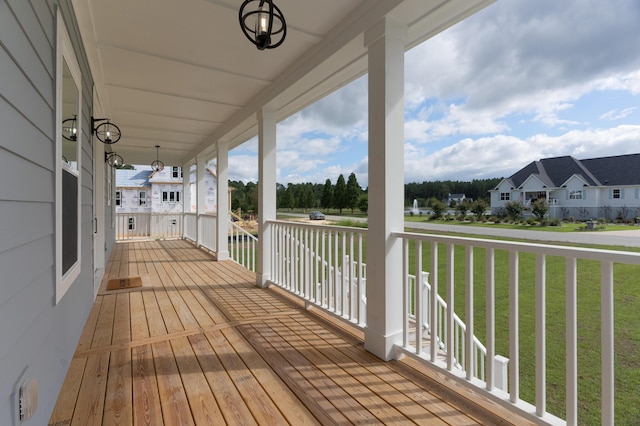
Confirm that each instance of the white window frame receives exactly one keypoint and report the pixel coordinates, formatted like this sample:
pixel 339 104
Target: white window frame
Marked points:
pixel 131 223
pixel 118 198
pixel 505 196
pixel 176 172
pixel 65 53
pixel 142 198
pixel 171 197
pixel 576 194
pixel 618 192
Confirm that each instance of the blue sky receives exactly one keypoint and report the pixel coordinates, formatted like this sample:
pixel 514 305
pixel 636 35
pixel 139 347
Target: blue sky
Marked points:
pixel 518 81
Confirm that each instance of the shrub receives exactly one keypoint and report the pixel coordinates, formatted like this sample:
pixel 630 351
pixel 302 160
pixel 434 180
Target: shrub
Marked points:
pixel 555 222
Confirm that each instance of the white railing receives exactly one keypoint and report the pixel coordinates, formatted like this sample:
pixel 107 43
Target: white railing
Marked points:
pixel 324 265
pixel 148 225
pixel 190 226
pixel 207 224
pixel 421 299
pixel 242 246
pixel 504 259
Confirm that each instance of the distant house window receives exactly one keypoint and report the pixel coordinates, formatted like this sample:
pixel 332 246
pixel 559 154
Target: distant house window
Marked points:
pixel 118 198
pixel 142 197
pixel 176 172
pixel 575 195
pixel 505 196
pixel 616 193
pixel 132 224
pixel 173 221
pixel 170 196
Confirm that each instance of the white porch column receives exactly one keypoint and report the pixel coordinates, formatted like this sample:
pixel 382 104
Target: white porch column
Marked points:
pixel 385 41
pixel 186 189
pixel 266 192
pixel 222 224
pixel 201 194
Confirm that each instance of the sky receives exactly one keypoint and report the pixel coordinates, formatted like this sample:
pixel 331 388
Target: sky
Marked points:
pixel 519 81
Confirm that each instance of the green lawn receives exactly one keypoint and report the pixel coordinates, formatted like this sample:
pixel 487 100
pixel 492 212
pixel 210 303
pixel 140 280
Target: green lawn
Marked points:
pixel 565 227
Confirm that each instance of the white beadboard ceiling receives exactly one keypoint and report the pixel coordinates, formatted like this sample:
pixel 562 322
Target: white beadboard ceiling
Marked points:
pixel 181 74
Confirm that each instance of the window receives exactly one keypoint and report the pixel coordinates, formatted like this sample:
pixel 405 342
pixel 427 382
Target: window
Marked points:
pixel 176 172
pixel 575 195
pixel 142 198
pixel 170 196
pixel 131 224
pixel 118 198
pixel 505 196
pixel 173 221
pixel 616 193
pixel 68 183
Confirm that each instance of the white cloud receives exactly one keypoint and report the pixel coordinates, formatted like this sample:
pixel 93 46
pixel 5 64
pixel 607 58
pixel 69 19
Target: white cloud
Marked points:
pixel 615 114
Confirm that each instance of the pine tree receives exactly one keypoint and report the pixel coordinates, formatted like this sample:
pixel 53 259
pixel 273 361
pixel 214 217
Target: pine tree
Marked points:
pixel 340 194
pixel 353 192
pixel 327 195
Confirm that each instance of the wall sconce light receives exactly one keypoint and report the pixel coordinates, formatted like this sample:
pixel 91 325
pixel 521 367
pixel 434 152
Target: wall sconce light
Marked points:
pixel 157 165
pixel 113 159
pixel 105 132
pixel 269 22
pixel 70 128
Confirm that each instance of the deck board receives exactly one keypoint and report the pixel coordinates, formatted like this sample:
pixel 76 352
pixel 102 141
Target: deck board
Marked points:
pixel 201 344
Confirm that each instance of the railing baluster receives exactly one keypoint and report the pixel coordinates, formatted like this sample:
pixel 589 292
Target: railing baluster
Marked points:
pixel 607 333
pixel 541 379
pixel 434 301
pixel 514 336
pixel 490 315
pixel 417 296
pixel 572 341
pixel 469 311
pixel 450 306
pixel 405 292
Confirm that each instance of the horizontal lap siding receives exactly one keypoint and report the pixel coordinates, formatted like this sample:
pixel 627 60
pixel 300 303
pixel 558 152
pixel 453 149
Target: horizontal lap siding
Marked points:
pixel 38 336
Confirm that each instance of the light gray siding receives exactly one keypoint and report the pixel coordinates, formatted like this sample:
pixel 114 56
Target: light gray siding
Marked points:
pixel 38 337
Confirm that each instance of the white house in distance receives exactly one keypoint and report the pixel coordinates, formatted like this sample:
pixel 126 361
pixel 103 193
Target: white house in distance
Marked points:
pixel 607 187
pixel 145 191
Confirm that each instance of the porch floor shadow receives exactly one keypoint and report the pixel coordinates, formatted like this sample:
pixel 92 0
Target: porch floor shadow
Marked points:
pixel 199 344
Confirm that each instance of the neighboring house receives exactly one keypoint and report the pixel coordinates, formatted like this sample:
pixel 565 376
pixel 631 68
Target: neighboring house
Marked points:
pixel 133 191
pixel 606 187
pixel 455 198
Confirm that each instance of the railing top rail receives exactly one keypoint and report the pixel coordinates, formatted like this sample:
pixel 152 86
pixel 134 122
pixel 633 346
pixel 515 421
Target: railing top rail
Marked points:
pixel 527 247
pixel 191 213
pixel 244 231
pixel 318 226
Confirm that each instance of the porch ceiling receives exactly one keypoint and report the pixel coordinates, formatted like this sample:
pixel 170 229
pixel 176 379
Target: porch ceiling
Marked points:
pixel 180 74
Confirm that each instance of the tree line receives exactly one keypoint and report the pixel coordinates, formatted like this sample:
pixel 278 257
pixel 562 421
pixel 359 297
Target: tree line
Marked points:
pixel 348 194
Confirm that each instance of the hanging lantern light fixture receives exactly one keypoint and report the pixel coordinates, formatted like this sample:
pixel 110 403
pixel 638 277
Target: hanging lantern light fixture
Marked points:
pixel 70 128
pixel 157 165
pixel 113 159
pixel 264 26
pixel 105 132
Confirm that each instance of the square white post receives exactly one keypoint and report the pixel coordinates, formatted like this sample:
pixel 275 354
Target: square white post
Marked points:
pixel 186 189
pixel 385 42
pixel 201 193
pixel 222 222
pixel 266 192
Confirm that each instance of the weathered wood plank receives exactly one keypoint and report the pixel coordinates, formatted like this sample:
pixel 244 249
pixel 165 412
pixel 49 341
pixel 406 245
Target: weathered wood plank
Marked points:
pixel 118 405
pixel 203 405
pixel 173 399
pixel 122 319
pixel 229 400
pixel 90 403
pixel 146 398
pixel 104 326
pixel 66 403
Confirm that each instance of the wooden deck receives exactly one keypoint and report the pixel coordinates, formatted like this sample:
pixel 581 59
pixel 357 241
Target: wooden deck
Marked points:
pixel 200 344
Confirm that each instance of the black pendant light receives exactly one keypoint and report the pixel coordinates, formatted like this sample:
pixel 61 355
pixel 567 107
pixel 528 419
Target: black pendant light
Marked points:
pixel 262 23
pixel 157 165
pixel 113 159
pixel 70 128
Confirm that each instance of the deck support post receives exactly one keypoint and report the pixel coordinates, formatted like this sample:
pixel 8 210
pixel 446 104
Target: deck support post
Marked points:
pixel 201 193
pixel 186 189
pixel 266 192
pixel 222 197
pixel 385 42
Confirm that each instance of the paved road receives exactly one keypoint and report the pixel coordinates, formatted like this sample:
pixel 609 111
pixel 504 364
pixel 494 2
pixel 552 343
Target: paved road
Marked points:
pixel 630 238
